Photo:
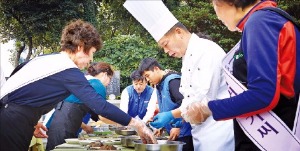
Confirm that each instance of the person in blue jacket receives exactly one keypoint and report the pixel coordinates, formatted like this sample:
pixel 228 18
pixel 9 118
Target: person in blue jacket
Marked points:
pixel 138 99
pixel 71 111
pixel 167 84
pixel 267 63
pixel 46 80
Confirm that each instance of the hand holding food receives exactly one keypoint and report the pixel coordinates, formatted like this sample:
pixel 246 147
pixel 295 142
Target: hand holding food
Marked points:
pixel 143 131
pixel 88 129
pixel 197 112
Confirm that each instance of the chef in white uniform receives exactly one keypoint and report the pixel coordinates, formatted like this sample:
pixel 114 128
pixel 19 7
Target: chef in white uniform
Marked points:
pixel 202 74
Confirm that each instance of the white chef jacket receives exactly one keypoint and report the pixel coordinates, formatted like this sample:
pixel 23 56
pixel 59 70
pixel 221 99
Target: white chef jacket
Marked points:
pixel 151 105
pixel 202 76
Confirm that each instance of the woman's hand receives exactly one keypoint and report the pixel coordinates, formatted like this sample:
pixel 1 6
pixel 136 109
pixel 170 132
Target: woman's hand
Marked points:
pixel 143 131
pixel 39 131
pixel 88 129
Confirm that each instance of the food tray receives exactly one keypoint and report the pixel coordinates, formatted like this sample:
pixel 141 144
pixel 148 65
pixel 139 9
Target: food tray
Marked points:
pixel 98 149
pixel 69 146
pixel 102 133
pixel 112 142
pixel 72 140
pixel 125 131
pixel 163 145
pixel 85 142
pixel 128 141
pixel 100 146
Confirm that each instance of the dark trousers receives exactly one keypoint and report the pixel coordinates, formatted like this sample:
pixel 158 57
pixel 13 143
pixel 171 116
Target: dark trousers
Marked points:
pixel 66 121
pixel 17 125
pixel 188 140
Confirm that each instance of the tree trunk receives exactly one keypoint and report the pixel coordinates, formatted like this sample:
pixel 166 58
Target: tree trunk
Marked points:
pixel 18 55
pixel 29 48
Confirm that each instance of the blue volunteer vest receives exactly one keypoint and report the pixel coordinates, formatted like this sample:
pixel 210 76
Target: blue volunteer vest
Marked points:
pixel 138 104
pixel 165 104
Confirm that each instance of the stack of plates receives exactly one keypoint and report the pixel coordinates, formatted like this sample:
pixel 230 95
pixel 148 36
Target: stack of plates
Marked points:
pixel 67 147
pixel 72 141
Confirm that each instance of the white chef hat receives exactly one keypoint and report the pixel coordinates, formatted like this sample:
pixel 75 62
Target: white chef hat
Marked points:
pixel 153 15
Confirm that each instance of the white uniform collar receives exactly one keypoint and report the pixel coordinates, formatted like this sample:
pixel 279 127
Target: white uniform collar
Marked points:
pixel 36 69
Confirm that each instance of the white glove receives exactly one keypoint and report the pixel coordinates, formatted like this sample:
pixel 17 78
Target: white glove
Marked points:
pixel 143 131
pixel 196 112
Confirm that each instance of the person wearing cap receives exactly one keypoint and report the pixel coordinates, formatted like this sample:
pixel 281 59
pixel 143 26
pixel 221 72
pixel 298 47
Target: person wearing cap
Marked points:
pixel 202 74
pixel 138 99
pixel 46 80
pixel 167 84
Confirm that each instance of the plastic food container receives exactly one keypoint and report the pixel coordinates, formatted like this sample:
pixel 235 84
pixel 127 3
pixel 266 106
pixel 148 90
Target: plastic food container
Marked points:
pixel 125 131
pixel 129 141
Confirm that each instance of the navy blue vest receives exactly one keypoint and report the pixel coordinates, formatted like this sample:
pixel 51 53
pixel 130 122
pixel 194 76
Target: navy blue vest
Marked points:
pixel 138 104
pixel 166 104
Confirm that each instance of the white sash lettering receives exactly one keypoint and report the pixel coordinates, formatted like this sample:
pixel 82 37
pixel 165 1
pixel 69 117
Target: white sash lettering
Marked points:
pixel 267 131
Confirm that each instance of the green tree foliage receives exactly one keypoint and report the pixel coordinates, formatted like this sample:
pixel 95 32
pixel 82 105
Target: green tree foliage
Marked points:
pixel 291 6
pixel 115 20
pixel 199 16
pixel 38 23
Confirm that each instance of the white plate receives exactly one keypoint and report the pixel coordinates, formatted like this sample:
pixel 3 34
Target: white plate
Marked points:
pixel 65 145
pixel 98 149
pixel 85 142
pixel 69 149
pixel 72 140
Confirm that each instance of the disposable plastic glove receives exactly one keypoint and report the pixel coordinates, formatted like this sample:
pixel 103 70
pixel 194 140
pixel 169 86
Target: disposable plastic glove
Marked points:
pixel 143 131
pixel 161 119
pixel 177 123
pixel 197 112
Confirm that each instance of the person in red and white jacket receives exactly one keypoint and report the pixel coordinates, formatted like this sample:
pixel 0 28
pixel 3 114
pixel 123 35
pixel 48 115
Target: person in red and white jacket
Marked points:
pixel 267 64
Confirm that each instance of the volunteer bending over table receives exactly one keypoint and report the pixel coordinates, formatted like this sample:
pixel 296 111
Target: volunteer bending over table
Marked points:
pixel 71 112
pixel 46 80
